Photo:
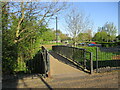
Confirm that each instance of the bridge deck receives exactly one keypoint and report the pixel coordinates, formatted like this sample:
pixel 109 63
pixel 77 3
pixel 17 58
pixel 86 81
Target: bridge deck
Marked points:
pixel 58 68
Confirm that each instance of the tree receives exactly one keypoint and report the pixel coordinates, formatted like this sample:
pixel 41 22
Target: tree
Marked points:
pixel 61 35
pixel 118 37
pixel 9 55
pixel 84 37
pixel 101 36
pixel 110 29
pixel 76 23
pixel 23 25
pixel 34 10
pixel 87 36
pixel 49 35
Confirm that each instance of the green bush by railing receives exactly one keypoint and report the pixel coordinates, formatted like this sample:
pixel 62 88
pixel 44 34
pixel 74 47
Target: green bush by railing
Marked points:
pixel 102 55
pixel 108 44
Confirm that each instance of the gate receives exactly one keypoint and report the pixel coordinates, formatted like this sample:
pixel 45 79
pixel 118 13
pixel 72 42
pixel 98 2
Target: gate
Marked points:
pixel 79 56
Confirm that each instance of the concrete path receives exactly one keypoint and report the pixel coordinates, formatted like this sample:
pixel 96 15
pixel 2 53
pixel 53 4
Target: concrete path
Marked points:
pixel 103 80
pixel 60 69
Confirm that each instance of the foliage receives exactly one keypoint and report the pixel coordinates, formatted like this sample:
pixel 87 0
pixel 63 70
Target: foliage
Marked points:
pixel 106 33
pixel 108 44
pixel 118 37
pixel 49 35
pixel 84 36
pixel 110 29
pixel 101 36
pixel 101 55
pixel 62 36
pixel 23 26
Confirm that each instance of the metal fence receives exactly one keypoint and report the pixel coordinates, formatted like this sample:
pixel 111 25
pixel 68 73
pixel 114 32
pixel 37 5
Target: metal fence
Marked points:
pixel 77 55
pixel 40 64
pixel 101 60
pixel 46 61
pixel 107 59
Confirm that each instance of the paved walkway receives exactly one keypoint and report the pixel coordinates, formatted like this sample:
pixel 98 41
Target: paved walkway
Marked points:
pixel 104 80
pixel 58 68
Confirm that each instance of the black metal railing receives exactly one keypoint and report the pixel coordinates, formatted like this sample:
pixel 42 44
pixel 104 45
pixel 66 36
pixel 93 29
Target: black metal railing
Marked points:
pixel 88 61
pixel 106 59
pixel 39 64
pixel 100 60
pixel 78 55
pixel 46 61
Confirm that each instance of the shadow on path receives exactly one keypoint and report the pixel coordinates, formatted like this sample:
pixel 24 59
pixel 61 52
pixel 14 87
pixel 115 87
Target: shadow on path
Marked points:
pixel 49 87
pixel 66 61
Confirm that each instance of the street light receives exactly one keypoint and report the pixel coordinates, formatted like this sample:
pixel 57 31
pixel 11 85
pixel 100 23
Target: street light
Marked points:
pixel 56 31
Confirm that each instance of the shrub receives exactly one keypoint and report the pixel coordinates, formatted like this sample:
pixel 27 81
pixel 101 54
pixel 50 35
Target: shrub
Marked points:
pixel 118 43
pixel 108 44
pixel 101 55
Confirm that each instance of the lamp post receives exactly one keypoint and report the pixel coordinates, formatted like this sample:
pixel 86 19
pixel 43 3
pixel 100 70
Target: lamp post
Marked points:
pixel 56 31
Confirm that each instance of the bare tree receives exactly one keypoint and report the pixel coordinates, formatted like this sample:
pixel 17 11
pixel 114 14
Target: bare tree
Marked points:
pixel 41 11
pixel 76 23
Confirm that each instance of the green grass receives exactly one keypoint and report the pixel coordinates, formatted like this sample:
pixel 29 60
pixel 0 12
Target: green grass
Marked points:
pixel 101 55
pixel 48 43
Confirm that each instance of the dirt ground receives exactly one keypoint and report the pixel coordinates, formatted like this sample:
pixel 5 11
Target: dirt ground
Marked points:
pixel 117 57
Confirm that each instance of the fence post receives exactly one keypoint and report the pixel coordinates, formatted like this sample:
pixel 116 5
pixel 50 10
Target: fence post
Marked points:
pixel 97 59
pixel 84 58
pixel 48 65
pixel 46 62
pixel 91 63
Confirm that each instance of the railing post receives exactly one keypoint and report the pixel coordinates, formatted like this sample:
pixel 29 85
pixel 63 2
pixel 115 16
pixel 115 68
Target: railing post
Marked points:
pixel 91 63
pixel 84 58
pixel 97 59
pixel 46 62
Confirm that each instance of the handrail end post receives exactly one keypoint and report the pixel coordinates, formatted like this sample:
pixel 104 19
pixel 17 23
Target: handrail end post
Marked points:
pixel 91 63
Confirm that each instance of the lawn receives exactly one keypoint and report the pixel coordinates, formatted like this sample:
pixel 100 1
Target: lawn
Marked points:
pixel 48 46
pixel 102 55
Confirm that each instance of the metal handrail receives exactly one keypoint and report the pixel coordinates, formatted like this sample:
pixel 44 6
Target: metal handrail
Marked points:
pixel 75 53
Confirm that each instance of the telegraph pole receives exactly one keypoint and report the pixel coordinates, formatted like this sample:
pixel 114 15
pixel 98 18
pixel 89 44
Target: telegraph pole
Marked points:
pixel 56 30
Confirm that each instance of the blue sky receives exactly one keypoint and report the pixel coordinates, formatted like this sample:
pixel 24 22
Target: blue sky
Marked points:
pixel 100 13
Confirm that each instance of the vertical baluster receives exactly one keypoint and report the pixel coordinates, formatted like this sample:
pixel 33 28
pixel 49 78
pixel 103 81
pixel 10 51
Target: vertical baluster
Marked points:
pixel 97 59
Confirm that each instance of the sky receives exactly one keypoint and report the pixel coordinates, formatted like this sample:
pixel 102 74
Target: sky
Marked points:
pixel 99 12
pixel 119 18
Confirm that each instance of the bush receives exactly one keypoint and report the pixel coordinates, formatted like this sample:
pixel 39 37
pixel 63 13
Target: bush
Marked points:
pixel 101 55
pixel 108 44
pixel 118 43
